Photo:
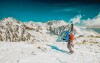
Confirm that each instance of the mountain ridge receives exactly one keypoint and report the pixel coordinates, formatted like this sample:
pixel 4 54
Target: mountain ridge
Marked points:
pixel 14 30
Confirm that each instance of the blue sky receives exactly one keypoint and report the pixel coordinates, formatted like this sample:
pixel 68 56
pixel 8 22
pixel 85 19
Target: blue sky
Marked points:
pixel 45 10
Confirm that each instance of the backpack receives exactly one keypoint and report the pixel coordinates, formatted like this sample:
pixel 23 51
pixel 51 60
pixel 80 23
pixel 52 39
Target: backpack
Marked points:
pixel 67 33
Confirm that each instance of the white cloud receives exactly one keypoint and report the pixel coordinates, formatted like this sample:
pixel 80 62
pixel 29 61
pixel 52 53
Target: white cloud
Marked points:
pixel 76 19
pixel 68 9
pixel 95 22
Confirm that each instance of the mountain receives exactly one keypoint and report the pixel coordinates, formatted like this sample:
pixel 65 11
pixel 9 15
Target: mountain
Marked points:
pixel 60 27
pixel 14 31
pixel 94 26
pixel 36 42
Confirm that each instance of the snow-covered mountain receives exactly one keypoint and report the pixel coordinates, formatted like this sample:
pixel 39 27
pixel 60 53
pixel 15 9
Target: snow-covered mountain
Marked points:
pixel 14 31
pixel 15 46
pixel 60 27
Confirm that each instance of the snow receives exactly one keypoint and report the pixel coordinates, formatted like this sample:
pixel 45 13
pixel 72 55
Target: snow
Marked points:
pixel 42 46
pixel 23 52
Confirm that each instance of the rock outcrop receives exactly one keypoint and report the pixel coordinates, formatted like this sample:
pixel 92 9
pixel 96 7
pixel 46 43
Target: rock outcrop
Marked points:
pixel 15 31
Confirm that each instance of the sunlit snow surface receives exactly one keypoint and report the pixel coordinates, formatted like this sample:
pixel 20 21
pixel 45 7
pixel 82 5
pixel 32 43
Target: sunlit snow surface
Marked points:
pixel 46 50
pixel 53 52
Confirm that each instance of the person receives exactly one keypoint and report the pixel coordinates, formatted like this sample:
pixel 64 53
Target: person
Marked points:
pixel 70 43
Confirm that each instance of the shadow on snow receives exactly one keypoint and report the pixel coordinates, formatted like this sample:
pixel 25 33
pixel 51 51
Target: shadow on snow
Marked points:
pixel 56 48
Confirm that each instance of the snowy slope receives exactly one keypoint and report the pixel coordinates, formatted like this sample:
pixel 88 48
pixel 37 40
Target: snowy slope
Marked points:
pixel 12 30
pixel 35 42
pixel 48 53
